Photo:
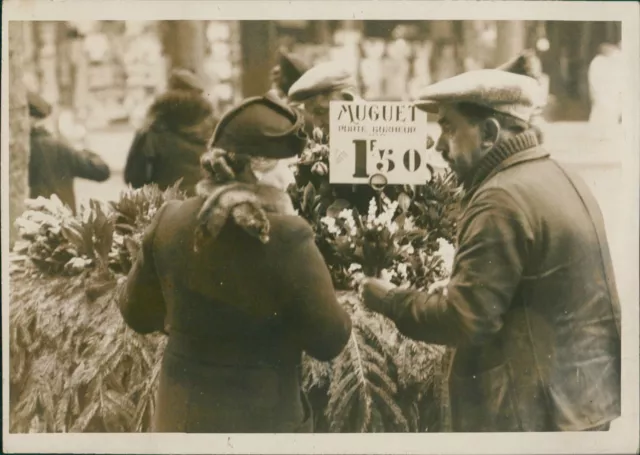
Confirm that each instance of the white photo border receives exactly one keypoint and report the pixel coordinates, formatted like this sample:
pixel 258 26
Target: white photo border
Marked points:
pixel 623 438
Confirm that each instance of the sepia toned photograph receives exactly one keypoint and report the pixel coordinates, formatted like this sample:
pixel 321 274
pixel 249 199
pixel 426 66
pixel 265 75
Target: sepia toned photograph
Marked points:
pixel 218 226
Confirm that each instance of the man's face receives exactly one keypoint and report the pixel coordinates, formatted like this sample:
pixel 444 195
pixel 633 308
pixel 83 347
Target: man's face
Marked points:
pixel 459 142
pixel 318 107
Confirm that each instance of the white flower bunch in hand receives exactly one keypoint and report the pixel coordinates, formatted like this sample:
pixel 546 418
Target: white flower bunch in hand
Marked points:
pixel 439 286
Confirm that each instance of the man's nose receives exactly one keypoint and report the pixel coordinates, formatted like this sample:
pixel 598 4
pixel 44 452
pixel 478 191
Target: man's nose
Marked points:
pixel 441 145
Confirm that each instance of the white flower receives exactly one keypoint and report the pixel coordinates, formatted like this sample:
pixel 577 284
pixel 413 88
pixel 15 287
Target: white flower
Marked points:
pixel 371 215
pixel 347 216
pixel 354 267
pixel 330 223
pixel 409 224
pixel 26 227
pixel 393 228
pixel 447 253
pixel 402 270
pixel 387 274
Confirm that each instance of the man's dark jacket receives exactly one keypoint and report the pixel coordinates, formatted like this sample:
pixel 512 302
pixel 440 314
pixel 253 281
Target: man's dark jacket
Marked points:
pixel 532 308
pixel 239 314
pixel 53 164
pixel 168 147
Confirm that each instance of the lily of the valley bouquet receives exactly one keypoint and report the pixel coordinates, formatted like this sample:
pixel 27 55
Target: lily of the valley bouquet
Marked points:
pixel 384 243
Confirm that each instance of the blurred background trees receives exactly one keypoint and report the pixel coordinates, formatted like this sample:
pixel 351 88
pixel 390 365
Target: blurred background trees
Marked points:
pixel 18 130
pixel 109 71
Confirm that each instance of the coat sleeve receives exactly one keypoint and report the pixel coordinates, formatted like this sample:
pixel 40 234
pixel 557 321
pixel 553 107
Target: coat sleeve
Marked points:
pixel 135 170
pixel 85 164
pixel 494 244
pixel 141 301
pixel 322 326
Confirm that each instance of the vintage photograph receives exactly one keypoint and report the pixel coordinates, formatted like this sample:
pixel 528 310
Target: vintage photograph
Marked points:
pixel 294 226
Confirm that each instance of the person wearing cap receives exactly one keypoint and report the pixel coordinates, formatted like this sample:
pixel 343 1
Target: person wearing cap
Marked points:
pixel 54 163
pixel 326 82
pixel 531 308
pixel 234 278
pixel 528 64
pixel 605 78
pixel 288 70
pixel 317 87
pixel 168 147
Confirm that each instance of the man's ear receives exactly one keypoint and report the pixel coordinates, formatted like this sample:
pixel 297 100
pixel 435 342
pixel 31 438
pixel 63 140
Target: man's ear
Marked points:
pixel 490 130
pixel 347 95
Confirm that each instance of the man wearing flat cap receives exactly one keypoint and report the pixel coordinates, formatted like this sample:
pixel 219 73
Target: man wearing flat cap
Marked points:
pixel 316 88
pixel 326 82
pixel 53 163
pixel 167 148
pixel 531 309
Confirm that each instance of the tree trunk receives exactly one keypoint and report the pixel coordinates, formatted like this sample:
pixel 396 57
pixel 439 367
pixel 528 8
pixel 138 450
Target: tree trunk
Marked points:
pixel 184 45
pixel 258 56
pixel 511 40
pixel 18 131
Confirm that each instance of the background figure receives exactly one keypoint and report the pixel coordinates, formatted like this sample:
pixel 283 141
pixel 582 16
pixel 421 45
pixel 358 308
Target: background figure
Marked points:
pixel 605 82
pixel 236 280
pixel 288 70
pixel 527 63
pixel 175 134
pixel 53 163
pixel 316 88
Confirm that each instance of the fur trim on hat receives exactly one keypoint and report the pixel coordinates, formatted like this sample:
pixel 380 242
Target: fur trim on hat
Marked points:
pixel 246 204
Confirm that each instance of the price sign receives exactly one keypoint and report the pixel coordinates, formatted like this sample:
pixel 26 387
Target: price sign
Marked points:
pixel 377 141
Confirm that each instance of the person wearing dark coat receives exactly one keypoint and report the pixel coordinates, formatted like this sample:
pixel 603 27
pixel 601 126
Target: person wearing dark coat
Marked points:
pixel 531 309
pixel 53 163
pixel 174 136
pixel 234 278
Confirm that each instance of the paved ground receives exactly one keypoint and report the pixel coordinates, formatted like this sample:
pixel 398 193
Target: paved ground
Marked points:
pixel 598 161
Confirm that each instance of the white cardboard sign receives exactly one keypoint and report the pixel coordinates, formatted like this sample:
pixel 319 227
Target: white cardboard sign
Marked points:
pixel 383 141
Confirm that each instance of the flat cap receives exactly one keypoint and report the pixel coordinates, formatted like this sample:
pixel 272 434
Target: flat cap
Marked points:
pixel 325 77
pixel 183 79
pixel 501 91
pixel 262 126
pixel 38 107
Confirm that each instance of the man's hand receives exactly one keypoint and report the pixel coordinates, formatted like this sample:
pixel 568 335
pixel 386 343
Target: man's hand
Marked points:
pixel 439 286
pixel 374 292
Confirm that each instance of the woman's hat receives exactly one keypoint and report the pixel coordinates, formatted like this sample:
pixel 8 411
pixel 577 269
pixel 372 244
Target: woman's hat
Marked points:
pixel 262 126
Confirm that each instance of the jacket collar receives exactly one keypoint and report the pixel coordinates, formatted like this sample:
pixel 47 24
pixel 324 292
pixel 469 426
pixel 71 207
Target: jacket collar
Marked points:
pixel 520 148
